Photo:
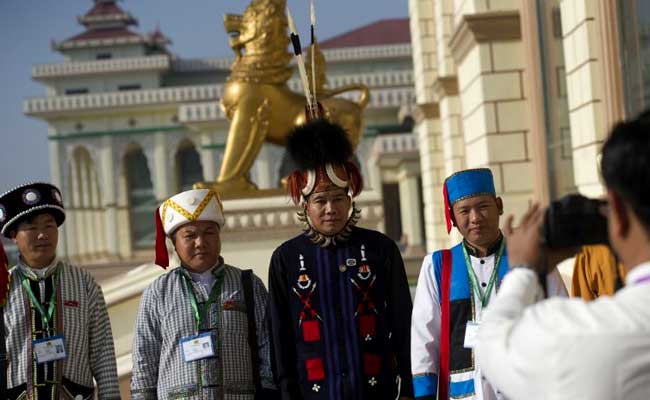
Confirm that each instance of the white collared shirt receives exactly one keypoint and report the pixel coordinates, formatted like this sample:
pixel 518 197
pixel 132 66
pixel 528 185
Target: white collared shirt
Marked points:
pixel 567 348
pixel 425 325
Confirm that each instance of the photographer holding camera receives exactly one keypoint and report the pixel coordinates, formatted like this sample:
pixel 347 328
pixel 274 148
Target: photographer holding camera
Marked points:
pixel 571 349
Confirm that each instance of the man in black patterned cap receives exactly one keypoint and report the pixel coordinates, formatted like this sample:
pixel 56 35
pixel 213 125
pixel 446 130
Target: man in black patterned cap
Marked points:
pixel 55 318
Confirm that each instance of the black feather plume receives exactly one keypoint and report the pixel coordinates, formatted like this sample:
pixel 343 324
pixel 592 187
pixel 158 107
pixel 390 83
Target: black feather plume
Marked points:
pixel 318 142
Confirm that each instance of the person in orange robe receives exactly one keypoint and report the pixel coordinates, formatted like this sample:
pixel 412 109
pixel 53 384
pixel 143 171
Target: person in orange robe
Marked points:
pixel 596 273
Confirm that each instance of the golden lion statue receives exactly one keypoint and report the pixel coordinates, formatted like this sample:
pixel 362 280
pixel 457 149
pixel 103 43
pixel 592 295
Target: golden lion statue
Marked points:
pixel 257 100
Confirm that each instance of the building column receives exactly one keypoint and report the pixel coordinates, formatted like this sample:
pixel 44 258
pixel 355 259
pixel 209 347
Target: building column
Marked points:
pixel 208 157
pixel 427 118
pixel 79 235
pixel 123 226
pixel 109 198
pixel 432 171
pixel 585 88
pixel 86 187
pixel 411 209
pixel 263 169
pixel 489 55
pixel 57 165
pixel 160 173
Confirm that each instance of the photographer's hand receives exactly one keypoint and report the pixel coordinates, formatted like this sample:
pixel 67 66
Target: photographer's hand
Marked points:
pixel 523 242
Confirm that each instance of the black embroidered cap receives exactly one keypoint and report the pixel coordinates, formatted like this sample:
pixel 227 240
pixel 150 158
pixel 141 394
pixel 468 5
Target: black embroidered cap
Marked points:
pixel 27 199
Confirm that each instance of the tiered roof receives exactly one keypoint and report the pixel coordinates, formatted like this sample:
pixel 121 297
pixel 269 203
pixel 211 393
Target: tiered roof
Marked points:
pixel 107 24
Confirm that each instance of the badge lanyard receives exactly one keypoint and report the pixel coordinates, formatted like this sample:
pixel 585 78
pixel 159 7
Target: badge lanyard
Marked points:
pixel 484 297
pixel 46 317
pixel 198 313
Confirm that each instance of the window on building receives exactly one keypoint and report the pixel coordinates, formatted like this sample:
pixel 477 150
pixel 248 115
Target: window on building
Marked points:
pixel 74 91
pixel 188 166
pixel 142 200
pixel 634 36
pixel 103 56
pixel 133 86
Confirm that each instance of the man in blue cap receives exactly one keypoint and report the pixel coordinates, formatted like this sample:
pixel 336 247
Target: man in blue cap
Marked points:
pixel 454 287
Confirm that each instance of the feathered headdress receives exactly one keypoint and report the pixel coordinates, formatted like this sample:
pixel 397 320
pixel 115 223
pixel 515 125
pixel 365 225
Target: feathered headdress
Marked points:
pixel 322 152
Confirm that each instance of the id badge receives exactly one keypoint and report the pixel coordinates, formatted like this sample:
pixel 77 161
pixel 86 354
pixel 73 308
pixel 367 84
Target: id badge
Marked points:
pixel 49 349
pixel 197 347
pixel 471 333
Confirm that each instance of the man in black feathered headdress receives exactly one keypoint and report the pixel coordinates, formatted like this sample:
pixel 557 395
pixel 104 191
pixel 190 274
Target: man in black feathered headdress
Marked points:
pixel 340 304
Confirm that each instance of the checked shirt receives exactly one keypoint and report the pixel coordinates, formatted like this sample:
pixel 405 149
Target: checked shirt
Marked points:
pixel 81 315
pixel 166 316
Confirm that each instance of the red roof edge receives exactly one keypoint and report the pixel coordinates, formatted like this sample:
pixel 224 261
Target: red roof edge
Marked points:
pixel 382 32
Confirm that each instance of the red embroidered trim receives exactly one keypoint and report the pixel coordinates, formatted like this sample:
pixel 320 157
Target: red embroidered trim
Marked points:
pixel 443 378
pixel 315 370
pixel 371 364
pixel 367 325
pixel 310 331
pixel 71 303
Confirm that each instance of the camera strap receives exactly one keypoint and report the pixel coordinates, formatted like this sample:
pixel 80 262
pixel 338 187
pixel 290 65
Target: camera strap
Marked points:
pixel 484 297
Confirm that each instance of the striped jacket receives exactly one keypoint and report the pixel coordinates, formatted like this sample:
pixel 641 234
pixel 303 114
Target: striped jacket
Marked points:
pixel 81 316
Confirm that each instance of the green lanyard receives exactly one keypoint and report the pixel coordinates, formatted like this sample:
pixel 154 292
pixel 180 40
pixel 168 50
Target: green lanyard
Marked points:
pixel 45 316
pixel 485 296
pixel 214 294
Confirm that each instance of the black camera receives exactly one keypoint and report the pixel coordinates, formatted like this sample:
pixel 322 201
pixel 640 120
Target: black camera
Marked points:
pixel 574 220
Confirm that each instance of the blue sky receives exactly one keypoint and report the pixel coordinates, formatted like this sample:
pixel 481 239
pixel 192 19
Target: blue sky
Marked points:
pixel 195 27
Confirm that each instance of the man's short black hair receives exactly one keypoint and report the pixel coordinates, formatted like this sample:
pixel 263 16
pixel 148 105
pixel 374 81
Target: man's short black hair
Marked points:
pixel 625 165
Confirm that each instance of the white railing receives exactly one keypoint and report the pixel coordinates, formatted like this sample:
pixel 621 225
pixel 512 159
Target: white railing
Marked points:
pixel 377 79
pixel 398 143
pixel 368 52
pixel 110 41
pixel 379 98
pixel 180 94
pixel 200 112
pixel 331 55
pixel 156 63
pixel 273 213
pixel 383 98
pixel 201 64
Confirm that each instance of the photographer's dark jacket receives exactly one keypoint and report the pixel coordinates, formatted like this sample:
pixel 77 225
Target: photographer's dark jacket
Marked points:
pixel 464 380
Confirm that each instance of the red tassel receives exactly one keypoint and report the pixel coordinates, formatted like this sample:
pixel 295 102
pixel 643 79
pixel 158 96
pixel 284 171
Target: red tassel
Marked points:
pixel 162 257
pixel 295 184
pixel 445 195
pixel 4 276
pixel 356 181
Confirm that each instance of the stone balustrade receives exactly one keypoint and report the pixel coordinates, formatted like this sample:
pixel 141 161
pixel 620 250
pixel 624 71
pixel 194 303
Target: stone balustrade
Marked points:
pixel 379 79
pixel 331 55
pixel 200 112
pixel 153 63
pixel 273 213
pixel 58 104
pixel 201 64
pixel 383 98
pixel 367 52
pixel 397 143
pixel 379 98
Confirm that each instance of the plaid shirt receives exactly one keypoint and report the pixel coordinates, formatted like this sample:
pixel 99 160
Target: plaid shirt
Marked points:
pixel 166 316
pixel 85 324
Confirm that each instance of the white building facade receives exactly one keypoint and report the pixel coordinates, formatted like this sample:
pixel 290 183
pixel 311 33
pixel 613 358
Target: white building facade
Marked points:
pixel 130 124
